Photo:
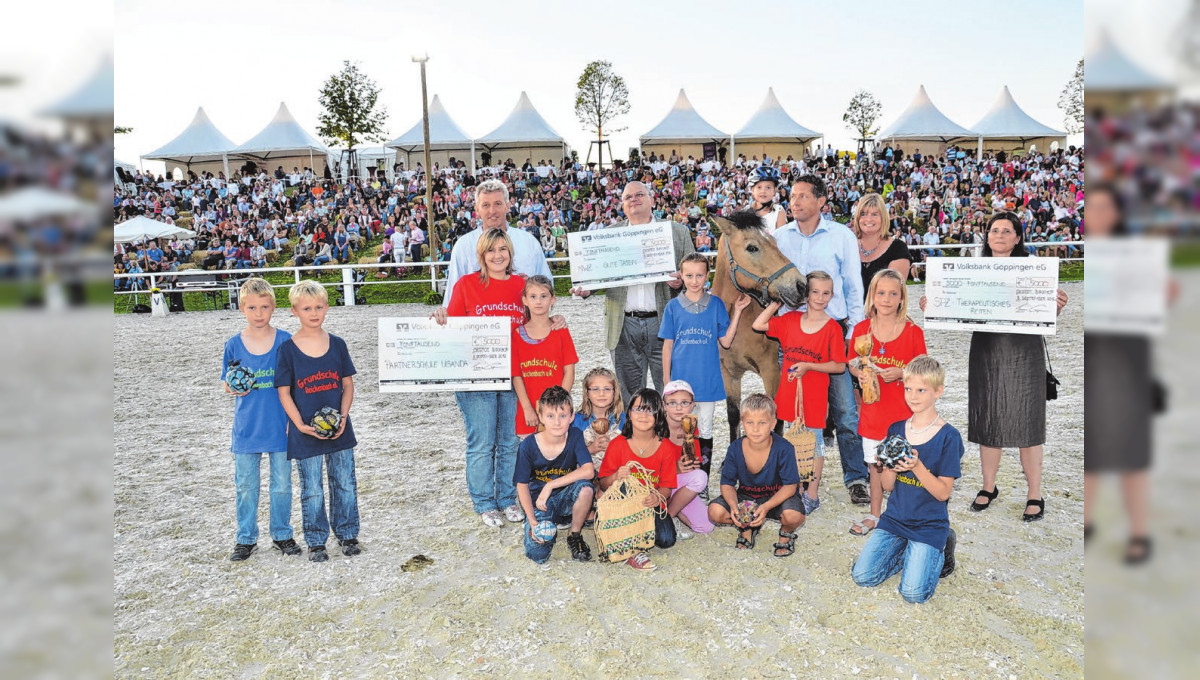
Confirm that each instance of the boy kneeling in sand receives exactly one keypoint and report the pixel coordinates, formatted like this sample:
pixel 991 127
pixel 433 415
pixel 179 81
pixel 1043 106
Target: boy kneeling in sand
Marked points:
pixel 760 467
pixel 914 535
pixel 554 477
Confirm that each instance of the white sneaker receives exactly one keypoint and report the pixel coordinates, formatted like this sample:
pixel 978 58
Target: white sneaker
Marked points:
pixel 682 532
pixel 492 518
pixel 513 514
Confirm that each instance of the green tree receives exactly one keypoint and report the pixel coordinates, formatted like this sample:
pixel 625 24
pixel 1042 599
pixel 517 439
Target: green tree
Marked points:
pixel 352 113
pixel 601 97
pixel 1071 101
pixel 862 113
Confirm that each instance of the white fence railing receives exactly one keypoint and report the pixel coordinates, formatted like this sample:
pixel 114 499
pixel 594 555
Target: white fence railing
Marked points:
pixel 145 281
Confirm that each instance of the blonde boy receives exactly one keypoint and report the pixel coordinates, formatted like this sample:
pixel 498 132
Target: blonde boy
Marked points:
pixel 259 424
pixel 315 371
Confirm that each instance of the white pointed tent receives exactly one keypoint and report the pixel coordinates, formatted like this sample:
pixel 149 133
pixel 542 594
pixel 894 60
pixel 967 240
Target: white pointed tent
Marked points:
pixel 91 102
pixel 1114 81
pixel 200 144
pixel 772 132
pixel 524 134
pixel 1007 125
pixel 922 122
pixel 684 132
pixel 446 140
pixel 283 142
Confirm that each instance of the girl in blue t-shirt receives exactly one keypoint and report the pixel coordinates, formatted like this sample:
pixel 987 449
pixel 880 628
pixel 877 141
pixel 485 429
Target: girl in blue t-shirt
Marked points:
pixel 692 325
pixel 914 535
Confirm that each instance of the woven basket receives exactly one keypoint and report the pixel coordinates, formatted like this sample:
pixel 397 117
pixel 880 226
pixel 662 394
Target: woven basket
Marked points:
pixel 804 439
pixel 624 526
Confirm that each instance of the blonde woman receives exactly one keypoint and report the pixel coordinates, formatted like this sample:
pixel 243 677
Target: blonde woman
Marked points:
pixel 877 249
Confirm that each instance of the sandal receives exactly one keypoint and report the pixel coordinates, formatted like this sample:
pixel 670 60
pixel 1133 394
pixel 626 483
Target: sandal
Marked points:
pixel 1038 503
pixel 989 495
pixel 790 546
pixel 743 543
pixel 1137 551
pixel 859 528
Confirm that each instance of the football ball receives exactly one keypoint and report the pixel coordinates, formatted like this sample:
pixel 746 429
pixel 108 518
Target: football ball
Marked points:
pixel 326 422
pixel 545 531
pixel 239 378
pixel 893 450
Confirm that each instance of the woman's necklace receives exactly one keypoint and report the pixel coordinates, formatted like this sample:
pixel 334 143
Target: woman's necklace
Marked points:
pixel 641 449
pixel 913 428
pixel 882 343
pixel 865 252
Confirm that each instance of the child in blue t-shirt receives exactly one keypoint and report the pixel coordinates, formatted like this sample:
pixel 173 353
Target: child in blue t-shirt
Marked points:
pixel 315 371
pixel 914 535
pixel 760 467
pixel 554 477
pixel 259 424
pixel 692 325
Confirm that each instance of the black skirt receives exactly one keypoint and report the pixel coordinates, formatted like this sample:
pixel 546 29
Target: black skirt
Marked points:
pixel 1006 390
pixel 1117 391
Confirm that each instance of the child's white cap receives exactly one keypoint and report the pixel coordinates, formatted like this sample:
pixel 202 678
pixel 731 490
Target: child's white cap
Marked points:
pixel 677 386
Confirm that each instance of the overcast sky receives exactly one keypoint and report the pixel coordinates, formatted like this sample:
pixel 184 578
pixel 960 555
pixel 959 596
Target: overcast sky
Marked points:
pixel 240 59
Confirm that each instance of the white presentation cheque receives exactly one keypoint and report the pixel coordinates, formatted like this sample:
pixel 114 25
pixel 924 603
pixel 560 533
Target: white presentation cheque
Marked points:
pixel 622 256
pixel 1126 285
pixel 467 354
pixel 996 294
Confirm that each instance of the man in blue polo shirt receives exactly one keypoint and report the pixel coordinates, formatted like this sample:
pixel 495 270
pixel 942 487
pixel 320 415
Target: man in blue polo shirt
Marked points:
pixel 813 243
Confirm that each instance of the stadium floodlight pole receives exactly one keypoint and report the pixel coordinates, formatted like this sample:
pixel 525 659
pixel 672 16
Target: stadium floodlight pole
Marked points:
pixel 433 240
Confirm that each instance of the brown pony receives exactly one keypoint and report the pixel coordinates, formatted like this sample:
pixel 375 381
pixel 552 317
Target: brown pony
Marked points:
pixel 748 261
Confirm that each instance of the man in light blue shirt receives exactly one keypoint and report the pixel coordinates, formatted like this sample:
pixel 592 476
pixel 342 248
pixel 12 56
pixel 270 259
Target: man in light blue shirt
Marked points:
pixel 813 244
pixel 491 204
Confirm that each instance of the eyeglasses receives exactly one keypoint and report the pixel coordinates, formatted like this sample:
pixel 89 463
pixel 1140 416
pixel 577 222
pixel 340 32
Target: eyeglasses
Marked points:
pixel 640 194
pixel 1002 232
pixel 600 390
pixel 679 404
pixel 643 409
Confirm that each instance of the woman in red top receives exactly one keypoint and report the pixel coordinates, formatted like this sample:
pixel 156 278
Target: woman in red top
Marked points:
pixel 895 340
pixel 490 416
pixel 542 356
pixel 646 440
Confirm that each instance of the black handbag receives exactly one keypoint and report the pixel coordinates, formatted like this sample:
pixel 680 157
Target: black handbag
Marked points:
pixel 1158 396
pixel 1052 383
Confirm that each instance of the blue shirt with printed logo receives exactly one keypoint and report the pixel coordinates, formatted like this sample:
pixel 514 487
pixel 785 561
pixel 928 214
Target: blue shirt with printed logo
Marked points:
pixel 259 422
pixel 536 470
pixel 315 382
pixel 695 356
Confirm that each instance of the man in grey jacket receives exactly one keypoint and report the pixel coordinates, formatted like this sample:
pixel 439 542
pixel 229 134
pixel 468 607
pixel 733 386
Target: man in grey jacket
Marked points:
pixel 632 314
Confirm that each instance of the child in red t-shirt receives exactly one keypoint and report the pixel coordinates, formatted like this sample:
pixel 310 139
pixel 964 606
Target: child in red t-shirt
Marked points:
pixel 541 355
pixel 813 347
pixel 646 440
pixel 895 340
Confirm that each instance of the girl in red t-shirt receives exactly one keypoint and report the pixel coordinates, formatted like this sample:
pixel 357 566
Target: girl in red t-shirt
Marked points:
pixel 489 416
pixel 895 340
pixel 813 348
pixel 646 440
pixel 541 355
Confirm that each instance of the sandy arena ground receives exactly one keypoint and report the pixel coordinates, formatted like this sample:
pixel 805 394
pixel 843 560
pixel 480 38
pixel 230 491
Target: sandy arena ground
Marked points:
pixel 1013 609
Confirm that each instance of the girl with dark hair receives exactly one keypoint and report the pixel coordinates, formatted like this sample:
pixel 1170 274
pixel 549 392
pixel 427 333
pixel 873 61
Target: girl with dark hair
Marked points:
pixel 1006 387
pixel 646 440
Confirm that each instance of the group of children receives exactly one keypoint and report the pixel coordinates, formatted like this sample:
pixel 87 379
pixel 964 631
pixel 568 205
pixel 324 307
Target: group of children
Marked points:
pixel 562 459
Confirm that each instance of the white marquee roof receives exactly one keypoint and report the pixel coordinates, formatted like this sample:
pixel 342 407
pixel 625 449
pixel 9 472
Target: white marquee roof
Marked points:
pixel 923 120
pixel 523 127
pixel 282 137
pixel 1107 69
pixel 771 123
pixel 1006 120
pixel 682 125
pixel 93 99
pixel 444 133
pixel 199 142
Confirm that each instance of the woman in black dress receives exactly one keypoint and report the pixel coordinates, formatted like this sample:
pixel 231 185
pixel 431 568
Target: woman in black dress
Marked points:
pixel 877 249
pixel 1006 387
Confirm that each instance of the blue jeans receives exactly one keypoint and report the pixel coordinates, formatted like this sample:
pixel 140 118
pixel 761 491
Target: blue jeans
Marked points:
pixel 343 497
pixel 491 422
pixel 844 412
pixel 885 554
pixel 558 510
pixel 320 260
pixel 246 478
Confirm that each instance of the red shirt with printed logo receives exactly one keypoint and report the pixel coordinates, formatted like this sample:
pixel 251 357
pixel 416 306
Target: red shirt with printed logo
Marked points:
pixel 497 298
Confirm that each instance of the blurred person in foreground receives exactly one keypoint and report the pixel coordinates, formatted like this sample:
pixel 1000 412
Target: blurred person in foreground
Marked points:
pixel 1120 397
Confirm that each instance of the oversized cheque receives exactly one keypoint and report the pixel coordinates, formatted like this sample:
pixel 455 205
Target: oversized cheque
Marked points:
pixel 997 294
pixel 623 256
pixel 467 354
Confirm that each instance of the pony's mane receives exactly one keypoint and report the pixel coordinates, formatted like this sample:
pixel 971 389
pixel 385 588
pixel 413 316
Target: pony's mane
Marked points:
pixel 745 219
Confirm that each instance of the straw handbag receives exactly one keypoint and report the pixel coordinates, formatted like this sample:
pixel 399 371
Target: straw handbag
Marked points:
pixel 804 439
pixel 624 526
